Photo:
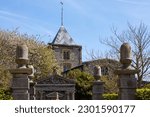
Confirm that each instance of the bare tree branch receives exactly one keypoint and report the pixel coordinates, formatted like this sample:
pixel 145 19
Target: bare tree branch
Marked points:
pixel 139 38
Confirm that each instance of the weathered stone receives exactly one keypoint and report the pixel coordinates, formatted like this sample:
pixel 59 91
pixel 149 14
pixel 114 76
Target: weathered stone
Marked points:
pixel 127 87
pixel 125 71
pixel 22 52
pixel 45 87
pixel 97 72
pixel 32 71
pixel 20 81
pixel 22 56
pixel 20 96
pixel 127 82
pixel 98 88
pixel 125 55
pixel 18 71
pixel 20 87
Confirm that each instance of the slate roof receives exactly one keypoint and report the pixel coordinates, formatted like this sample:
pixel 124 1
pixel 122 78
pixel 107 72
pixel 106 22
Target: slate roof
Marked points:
pixel 63 37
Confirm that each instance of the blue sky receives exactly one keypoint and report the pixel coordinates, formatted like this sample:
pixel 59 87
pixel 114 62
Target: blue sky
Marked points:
pixel 85 20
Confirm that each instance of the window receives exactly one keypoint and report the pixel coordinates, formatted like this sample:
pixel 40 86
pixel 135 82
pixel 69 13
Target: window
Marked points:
pixel 104 70
pixel 66 55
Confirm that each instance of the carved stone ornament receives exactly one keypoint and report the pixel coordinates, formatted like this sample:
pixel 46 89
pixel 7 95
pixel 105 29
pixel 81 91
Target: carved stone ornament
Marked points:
pixel 125 55
pixel 97 72
pixel 22 56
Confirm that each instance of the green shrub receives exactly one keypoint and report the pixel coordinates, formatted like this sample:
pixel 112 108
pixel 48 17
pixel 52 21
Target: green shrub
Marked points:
pixel 143 94
pixel 5 95
pixel 147 86
pixel 112 96
pixel 84 83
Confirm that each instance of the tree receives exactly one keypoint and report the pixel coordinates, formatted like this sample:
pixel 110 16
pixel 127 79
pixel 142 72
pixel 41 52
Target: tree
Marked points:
pixel 110 85
pixel 5 94
pixel 139 39
pixel 40 56
pixel 83 84
pixel 5 78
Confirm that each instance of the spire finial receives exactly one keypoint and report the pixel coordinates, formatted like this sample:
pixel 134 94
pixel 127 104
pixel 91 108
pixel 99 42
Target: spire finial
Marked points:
pixel 61 13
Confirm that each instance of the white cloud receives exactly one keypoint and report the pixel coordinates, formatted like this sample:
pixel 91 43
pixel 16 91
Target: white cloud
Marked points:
pixel 24 23
pixel 10 14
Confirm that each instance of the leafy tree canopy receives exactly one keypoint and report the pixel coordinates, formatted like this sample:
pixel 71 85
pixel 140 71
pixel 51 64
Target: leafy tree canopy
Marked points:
pixel 84 83
pixel 40 56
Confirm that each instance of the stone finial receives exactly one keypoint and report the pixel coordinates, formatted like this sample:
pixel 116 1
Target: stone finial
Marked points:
pixel 22 56
pixel 97 72
pixel 125 55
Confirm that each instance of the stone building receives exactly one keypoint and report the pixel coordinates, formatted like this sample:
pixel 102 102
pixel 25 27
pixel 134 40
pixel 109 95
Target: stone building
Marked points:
pixel 67 52
pixel 107 66
pixel 69 55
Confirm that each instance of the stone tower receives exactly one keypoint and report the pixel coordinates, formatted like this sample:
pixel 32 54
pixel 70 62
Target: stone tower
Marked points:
pixel 67 52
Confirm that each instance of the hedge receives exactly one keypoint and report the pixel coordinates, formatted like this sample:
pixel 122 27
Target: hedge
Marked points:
pixel 5 95
pixel 141 94
pixel 111 96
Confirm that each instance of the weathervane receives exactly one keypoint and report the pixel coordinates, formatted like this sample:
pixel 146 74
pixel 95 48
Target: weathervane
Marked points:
pixel 61 13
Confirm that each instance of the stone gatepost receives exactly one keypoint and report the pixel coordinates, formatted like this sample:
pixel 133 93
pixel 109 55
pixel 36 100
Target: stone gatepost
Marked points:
pixel 127 81
pixel 20 81
pixel 98 88
pixel 32 84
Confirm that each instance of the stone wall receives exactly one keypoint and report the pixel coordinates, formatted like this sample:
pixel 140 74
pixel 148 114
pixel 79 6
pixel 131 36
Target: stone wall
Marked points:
pixel 75 55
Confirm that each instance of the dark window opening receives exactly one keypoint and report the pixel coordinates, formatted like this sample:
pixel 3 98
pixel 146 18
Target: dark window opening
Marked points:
pixel 66 55
pixel 104 70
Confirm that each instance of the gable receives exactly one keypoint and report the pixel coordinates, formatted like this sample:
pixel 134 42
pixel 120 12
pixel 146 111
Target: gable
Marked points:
pixel 56 79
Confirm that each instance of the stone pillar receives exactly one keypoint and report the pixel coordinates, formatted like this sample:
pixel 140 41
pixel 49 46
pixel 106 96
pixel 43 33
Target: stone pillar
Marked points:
pixel 127 81
pixel 20 81
pixel 41 95
pixel 72 96
pixel 98 88
pixel 67 95
pixel 32 84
